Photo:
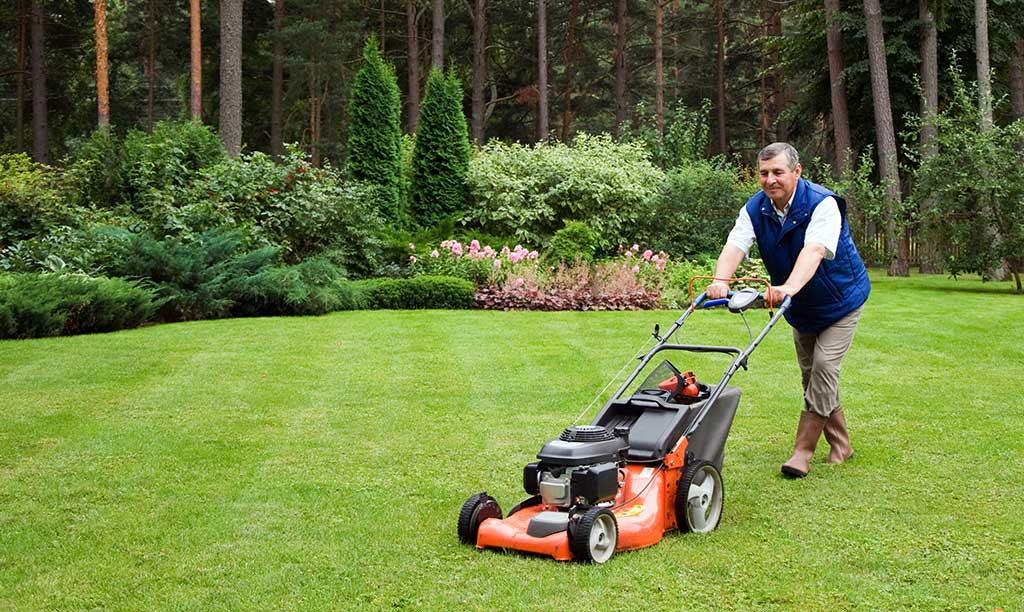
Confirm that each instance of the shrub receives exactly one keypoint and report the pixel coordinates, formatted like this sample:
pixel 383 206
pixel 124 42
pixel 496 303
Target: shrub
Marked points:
pixel 574 241
pixel 694 209
pixel 480 264
pixel 441 153
pixel 194 278
pixel 420 292
pixel 40 305
pixel 313 287
pixel 30 200
pixel 375 132
pixel 93 170
pixel 302 209
pixel 143 170
pixel 612 285
pixel 528 192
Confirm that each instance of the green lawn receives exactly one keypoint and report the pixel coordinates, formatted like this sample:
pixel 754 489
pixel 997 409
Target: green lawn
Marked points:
pixel 320 463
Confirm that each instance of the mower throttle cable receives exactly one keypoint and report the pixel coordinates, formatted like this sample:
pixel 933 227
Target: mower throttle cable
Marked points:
pixel 640 350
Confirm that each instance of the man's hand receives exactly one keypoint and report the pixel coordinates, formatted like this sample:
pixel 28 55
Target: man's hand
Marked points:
pixel 779 293
pixel 717 289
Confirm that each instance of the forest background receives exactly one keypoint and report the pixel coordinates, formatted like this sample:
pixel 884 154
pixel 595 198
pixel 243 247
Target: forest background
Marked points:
pixel 911 110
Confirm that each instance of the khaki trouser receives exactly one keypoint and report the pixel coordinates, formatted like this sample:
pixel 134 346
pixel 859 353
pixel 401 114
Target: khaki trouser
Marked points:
pixel 820 356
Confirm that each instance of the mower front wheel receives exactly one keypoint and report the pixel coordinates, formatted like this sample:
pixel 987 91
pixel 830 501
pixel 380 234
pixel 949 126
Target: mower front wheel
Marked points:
pixel 477 508
pixel 699 498
pixel 595 535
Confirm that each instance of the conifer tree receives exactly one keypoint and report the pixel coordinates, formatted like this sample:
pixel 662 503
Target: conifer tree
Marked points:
pixel 441 156
pixel 375 131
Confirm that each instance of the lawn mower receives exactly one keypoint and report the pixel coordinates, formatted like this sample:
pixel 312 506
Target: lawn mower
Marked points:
pixel 650 461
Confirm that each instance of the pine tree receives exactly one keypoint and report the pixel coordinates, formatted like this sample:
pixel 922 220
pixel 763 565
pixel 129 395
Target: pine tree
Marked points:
pixel 441 156
pixel 375 131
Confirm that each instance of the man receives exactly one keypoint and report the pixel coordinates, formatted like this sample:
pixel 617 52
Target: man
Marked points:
pixel 804 241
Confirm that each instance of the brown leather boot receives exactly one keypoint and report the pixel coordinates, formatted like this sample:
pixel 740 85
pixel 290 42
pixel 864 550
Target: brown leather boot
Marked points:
pixel 807 434
pixel 838 438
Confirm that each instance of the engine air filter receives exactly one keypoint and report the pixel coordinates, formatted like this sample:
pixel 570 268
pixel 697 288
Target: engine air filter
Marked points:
pixel 586 433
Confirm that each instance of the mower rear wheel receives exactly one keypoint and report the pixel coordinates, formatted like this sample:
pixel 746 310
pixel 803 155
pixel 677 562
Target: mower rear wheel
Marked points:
pixel 477 508
pixel 699 498
pixel 595 536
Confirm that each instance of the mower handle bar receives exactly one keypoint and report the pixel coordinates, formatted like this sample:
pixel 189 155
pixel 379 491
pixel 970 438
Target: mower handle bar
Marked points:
pixel 738 362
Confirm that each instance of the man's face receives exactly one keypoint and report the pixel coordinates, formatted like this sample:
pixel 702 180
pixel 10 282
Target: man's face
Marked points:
pixel 777 180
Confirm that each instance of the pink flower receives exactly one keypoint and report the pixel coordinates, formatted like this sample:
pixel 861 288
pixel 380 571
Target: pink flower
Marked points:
pixel 474 246
pixel 515 257
pixel 628 253
pixel 488 251
pixel 434 253
pixel 519 282
pixel 497 263
pixel 505 250
pixel 647 254
pixel 533 255
pixel 456 248
pixel 636 247
pixel 636 269
pixel 412 259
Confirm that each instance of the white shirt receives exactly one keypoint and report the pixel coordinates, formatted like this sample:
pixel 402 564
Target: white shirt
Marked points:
pixel 823 228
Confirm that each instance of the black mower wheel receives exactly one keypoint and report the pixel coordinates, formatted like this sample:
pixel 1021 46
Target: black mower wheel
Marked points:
pixel 699 498
pixel 476 509
pixel 594 536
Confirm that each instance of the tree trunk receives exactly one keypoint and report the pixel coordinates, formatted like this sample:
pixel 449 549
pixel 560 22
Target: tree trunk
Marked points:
pixel 38 59
pixel 150 64
pixel 836 65
pixel 887 161
pixel 723 143
pixel 479 70
pixel 620 66
pixel 231 75
pixel 779 80
pixel 437 38
pixel 927 253
pixel 413 64
pixel 277 83
pixel 195 100
pixel 380 35
pixel 1017 79
pixel 19 84
pixel 542 71
pixel 102 90
pixel 659 70
pixel 571 62
pixel 984 78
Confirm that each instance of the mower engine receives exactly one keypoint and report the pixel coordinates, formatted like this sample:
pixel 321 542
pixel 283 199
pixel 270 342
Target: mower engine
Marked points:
pixel 580 468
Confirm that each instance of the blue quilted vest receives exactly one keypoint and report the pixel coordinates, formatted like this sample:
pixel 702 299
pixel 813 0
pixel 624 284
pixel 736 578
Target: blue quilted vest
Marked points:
pixel 840 285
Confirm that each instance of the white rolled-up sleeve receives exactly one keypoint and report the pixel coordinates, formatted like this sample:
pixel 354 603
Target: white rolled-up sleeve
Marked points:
pixel 742 234
pixel 824 226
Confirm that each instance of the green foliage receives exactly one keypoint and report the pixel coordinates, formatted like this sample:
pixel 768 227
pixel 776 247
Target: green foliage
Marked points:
pixel 40 305
pixel 866 203
pixel 686 134
pixel 574 241
pixel 694 208
pixel 313 287
pixel 420 292
pixel 195 279
pixel 302 209
pixel 528 192
pixel 975 185
pixel 375 132
pixel 30 200
pixel 143 170
pixel 441 155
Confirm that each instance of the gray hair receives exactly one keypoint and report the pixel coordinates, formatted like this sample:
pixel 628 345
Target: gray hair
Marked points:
pixel 780 148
